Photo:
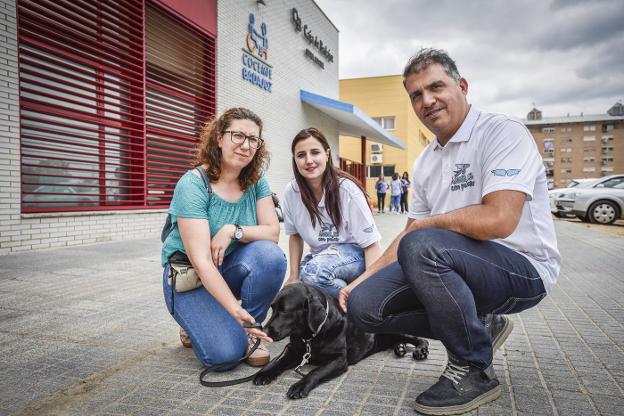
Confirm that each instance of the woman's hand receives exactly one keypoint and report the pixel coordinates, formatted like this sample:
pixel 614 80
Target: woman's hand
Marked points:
pixel 242 316
pixel 220 242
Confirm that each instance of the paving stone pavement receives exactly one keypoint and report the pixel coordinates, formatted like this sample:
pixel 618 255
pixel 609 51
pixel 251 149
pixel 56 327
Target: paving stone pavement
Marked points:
pixel 84 331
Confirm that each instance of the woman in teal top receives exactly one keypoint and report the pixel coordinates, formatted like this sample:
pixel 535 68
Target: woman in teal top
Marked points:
pixel 230 239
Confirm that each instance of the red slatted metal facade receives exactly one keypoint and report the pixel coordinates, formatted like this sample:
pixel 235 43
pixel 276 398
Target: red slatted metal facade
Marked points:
pixel 113 94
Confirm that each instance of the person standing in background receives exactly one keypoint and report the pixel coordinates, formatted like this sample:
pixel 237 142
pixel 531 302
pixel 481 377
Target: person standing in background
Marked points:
pixel 405 184
pixel 382 187
pixel 395 193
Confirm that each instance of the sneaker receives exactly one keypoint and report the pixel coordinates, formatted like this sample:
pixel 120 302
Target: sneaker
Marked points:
pixel 499 328
pixel 260 357
pixel 461 388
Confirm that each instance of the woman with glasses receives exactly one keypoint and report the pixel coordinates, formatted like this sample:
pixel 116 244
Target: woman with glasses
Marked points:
pixel 230 239
pixel 328 210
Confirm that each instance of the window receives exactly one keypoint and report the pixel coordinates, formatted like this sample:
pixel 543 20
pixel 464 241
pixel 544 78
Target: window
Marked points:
pixel 549 145
pixel 591 127
pixel 589 138
pixel 606 149
pixel 385 122
pixel 102 127
pixel 548 129
pixel 588 149
pixel 590 159
pixel 375 171
pixel 606 160
pixel 566 129
pixel 617 183
pixel 606 139
pixel 566 140
pixel 589 169
pixel 566 150
pixel 566 160
pixel 566 170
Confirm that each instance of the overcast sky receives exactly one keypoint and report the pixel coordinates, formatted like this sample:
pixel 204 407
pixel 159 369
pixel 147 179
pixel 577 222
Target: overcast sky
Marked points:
pixel 566 56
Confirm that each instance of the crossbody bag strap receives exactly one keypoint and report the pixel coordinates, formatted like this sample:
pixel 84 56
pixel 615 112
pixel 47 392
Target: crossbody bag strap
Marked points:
pixel 205 180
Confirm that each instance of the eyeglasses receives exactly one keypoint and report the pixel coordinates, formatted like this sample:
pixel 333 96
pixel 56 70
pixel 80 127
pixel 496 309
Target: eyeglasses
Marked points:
pixel 238 137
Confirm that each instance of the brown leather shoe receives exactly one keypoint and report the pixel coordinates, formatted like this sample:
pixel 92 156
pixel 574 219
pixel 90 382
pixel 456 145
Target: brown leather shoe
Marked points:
pixel 260 357
pixel 185 339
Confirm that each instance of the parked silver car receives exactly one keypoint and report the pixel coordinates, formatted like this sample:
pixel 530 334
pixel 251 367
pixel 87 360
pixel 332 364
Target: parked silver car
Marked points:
pixel 601 203
pixel 555 194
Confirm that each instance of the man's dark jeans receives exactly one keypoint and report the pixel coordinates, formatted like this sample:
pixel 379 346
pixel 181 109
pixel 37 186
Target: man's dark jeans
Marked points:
pixel 441 285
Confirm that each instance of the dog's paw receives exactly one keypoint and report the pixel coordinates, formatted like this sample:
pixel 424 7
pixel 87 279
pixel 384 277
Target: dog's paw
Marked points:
pixel 299 390
pixel 264 378
pixel 421 352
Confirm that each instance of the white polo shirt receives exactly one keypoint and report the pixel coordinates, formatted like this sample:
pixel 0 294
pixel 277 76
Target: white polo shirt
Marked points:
pixel 357 224
pixel 490 152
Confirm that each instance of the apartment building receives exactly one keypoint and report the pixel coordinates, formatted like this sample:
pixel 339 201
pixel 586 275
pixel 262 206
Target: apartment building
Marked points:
pixel 583 146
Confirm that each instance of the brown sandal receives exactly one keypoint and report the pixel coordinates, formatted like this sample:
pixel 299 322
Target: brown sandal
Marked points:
pixel 185 339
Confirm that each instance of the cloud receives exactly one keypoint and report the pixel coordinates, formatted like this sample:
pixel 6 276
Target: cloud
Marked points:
pixel 563 55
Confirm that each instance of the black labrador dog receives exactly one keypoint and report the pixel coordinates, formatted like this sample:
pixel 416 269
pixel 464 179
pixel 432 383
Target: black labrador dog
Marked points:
pixel 306 314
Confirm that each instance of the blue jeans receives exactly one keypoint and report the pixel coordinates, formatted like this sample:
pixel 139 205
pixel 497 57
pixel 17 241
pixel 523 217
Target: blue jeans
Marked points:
pixel 441 286
pixel 333 268
pixel 254 272
pixel 395 201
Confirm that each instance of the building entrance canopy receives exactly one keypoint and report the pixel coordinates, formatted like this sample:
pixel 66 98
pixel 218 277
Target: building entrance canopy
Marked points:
pixel 351 120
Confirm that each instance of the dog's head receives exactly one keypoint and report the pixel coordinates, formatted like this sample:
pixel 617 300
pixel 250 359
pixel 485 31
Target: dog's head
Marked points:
pixel 297 310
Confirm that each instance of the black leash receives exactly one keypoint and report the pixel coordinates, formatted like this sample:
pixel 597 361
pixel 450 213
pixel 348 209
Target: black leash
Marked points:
pixel 233 382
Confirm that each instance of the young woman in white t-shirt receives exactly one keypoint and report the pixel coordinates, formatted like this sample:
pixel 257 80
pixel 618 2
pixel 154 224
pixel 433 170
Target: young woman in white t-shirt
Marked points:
pixel 327 209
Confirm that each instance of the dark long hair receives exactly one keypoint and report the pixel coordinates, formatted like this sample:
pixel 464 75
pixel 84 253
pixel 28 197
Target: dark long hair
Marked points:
pixel 209 152
pixel 331 181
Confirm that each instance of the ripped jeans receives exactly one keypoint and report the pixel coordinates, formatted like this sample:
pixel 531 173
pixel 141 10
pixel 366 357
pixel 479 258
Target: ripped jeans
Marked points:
pixel 333 268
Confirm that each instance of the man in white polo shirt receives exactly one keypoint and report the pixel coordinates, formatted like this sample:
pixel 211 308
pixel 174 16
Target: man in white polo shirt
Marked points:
pixel 479 241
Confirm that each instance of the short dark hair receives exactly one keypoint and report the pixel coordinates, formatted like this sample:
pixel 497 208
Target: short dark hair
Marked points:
pixel 429 56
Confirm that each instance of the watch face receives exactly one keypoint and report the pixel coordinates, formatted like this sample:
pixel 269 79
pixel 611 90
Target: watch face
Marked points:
pixel 238 234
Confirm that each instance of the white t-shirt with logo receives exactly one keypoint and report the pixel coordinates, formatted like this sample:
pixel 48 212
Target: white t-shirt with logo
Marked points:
pixel 491 152
pixel 357 225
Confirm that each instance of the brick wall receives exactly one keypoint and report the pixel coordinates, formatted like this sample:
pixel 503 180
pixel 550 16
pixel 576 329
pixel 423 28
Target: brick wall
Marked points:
pixel 39 231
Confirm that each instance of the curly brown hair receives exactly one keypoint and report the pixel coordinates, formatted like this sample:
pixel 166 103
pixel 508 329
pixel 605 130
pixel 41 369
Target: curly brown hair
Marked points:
pixel 208 151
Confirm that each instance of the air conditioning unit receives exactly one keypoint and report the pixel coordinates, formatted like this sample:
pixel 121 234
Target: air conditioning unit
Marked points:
pixel 376 148
pixel 376 159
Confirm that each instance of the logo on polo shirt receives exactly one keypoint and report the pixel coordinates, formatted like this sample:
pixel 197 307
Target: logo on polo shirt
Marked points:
pixel 505 172
pixel 462 179
pixel 328 233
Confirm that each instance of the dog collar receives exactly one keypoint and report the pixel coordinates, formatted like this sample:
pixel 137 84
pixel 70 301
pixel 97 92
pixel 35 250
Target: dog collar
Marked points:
pixel 324 320
pixel 308 353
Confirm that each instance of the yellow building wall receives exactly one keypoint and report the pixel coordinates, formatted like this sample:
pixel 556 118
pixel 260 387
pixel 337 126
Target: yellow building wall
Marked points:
pixel 383 97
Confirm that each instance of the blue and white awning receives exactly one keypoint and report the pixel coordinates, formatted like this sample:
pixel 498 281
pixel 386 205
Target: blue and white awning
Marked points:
pixel 351 120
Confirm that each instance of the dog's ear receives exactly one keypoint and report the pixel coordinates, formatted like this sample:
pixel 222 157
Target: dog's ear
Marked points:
pixel 316 312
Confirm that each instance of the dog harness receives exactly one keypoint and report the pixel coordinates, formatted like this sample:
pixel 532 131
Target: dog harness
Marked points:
pixel 308 353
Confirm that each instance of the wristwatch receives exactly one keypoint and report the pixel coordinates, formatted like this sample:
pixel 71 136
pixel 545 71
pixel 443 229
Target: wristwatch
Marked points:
pixel 238 232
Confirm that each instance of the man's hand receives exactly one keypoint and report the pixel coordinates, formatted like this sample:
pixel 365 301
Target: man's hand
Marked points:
pixel 220 243
pixel 343 296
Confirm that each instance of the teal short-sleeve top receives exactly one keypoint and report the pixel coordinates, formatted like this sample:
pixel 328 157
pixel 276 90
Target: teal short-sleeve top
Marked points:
pixel 190 200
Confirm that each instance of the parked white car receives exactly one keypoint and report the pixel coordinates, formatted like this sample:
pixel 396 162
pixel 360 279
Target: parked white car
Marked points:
pixel 555 194
pixel 602 202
